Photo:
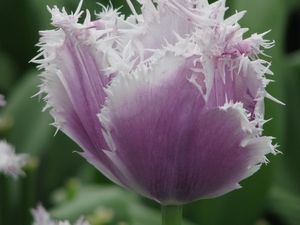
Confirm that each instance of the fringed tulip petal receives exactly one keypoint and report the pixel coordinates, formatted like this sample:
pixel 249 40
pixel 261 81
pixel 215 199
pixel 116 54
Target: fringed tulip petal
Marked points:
pixel 159 123
pixel 74 81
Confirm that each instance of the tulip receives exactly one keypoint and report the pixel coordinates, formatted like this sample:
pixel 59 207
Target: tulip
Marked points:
pixel 168 104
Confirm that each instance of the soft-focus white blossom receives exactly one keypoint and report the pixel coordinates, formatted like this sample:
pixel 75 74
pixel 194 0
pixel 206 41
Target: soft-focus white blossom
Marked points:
pixel 42 217
pixel 2 101
pixel 10 162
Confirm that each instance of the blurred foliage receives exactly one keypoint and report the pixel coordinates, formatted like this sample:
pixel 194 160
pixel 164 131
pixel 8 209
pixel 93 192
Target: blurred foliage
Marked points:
pixel 271 196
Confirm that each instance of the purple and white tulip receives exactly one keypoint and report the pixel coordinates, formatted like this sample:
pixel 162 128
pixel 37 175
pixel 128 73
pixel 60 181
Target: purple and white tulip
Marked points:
pixel 168 104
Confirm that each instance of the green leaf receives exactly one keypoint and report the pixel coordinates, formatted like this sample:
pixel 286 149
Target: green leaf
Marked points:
pixel 89 198
pixel 242 206
pixel 288 174
pixel 286 205
pixel 126 206
pixel 31 128
pixel 7 73
pixel 32 134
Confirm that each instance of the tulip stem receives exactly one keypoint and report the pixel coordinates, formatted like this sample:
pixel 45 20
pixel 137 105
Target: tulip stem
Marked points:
pixel 171 214
pixel 4 200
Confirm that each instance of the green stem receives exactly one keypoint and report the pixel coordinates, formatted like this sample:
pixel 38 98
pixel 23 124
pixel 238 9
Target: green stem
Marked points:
pixel 171 214
pixel 28 190
pixel 4 200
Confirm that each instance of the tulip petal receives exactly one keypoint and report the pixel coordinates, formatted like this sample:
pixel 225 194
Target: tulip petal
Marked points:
pixel 74 82
pixel 170 143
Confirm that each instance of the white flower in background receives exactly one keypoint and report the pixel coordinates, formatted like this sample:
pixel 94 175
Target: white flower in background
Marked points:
pixel 10 162
pixel 42 217
pixel 2 101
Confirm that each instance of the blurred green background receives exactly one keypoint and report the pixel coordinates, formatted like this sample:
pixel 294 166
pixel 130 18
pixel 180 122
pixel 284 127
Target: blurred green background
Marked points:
pixel 69 187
